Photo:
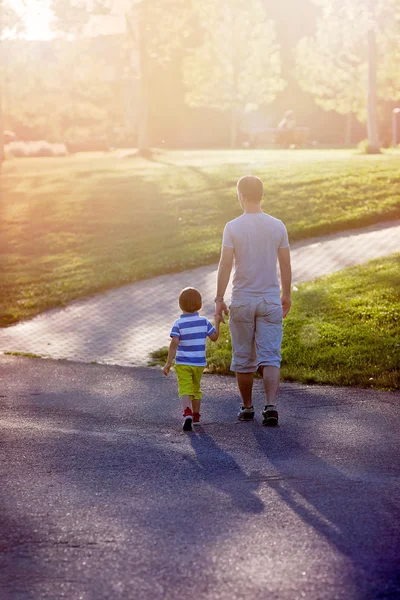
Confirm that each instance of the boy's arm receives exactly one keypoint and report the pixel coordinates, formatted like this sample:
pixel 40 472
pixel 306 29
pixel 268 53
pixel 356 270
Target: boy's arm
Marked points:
pixel 171 354
pixel 214 336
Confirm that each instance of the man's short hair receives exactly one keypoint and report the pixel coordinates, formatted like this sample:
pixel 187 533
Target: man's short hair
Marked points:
pixel 251 188
pixel 190 300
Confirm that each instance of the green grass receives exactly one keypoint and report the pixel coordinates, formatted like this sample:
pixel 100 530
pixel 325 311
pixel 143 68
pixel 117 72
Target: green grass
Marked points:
pixel 343 329
pixel 26 354
pixel 75 226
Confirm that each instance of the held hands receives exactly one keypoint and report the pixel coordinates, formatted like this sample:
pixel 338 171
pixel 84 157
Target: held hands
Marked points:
pixel 220 310
pixel 286 304
pixel 167 368
pixel 218 319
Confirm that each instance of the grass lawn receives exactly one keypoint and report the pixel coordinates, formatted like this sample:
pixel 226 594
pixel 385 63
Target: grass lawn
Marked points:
pixel 74 226
pixel 342 329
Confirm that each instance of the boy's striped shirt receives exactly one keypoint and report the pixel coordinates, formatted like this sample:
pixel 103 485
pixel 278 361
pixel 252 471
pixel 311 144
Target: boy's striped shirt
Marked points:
pixel 192 331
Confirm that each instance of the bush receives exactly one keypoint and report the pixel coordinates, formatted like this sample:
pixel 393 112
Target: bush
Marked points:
pixel 364 147
pixel 34 149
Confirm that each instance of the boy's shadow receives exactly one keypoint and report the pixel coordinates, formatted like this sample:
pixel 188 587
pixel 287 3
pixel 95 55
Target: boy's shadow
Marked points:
pixel 219 469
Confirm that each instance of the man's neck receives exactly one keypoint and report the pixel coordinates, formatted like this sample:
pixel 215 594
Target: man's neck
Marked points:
pixel 252 210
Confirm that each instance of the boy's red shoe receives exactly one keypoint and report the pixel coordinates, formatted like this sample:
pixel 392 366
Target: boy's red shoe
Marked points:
pixel 196 418
pixel 187 419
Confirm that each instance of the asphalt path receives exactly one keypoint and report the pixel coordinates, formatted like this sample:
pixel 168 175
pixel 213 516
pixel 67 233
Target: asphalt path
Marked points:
pixel 103 496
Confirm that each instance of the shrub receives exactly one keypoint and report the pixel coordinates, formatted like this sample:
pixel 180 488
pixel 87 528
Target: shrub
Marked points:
pixel 364 147
pixel 34 149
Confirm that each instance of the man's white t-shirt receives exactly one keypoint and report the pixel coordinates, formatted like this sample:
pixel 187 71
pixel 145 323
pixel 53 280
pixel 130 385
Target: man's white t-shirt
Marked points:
pixel 255 238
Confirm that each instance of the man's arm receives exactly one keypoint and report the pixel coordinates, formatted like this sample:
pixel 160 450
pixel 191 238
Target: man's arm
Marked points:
pixel 286 278
pixel 224 273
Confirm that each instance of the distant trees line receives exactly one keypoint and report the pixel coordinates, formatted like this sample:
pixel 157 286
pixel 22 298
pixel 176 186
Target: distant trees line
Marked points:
pixel 205 73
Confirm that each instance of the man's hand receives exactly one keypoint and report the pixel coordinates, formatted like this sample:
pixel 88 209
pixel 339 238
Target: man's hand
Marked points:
pixel 286 304
pixel 167 368
pixel 217 319
pixel 220 309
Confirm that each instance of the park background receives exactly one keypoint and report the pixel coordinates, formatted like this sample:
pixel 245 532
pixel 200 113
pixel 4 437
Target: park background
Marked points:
pixel 181 73
pixel 126 125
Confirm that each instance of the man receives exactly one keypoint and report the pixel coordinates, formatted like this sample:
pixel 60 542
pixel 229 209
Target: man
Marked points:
pixel 255 242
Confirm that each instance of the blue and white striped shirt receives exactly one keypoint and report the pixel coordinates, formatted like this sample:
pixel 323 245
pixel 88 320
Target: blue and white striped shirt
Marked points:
pixel 192 331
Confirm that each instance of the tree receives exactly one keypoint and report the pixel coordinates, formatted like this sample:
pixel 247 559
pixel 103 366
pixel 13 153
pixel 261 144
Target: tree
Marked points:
pixel 350 59
pixel 62 91
pixel 238 65
pixel 10 23
pixel 154 29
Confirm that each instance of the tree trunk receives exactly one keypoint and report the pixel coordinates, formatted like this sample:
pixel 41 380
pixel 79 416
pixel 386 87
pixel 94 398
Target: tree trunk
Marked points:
pixel 372 122
pixel 233 133
pixel 143 115
pixel 1 89
pixel 348 129
pixel 143 112
pixel 1 126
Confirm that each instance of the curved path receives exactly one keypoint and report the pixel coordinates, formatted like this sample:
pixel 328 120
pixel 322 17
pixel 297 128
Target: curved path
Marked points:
pixel 124 325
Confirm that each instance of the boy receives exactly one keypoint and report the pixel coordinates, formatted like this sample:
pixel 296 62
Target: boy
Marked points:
pixel 188 343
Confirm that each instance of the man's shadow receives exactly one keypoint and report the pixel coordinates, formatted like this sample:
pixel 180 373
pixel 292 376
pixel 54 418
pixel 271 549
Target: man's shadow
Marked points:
pixel 219 469
pixel 351 513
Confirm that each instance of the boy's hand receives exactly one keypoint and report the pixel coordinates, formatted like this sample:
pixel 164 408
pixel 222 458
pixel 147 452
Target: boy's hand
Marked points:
pixel 167 369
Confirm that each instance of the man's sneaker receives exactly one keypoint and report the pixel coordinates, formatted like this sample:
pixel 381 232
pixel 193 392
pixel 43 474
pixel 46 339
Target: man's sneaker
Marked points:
pixel 270 416
pixel 246 414
pixel 196 418
pixel 188 418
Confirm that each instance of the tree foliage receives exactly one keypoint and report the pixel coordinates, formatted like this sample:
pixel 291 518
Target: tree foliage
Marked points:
pixel 238 65
pixel 66 93
pixel 333 65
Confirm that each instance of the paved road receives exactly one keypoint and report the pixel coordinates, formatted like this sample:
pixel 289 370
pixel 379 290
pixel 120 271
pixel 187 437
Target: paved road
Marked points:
pixel 124 325
pixel 103 497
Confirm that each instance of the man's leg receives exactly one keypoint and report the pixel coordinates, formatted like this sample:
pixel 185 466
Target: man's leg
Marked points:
pixel 244 363
pixel 245 385
pixel 268 344
pixel 271 377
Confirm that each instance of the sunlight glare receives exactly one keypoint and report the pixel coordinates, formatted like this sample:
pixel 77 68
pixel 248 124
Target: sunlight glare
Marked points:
pixel 37 19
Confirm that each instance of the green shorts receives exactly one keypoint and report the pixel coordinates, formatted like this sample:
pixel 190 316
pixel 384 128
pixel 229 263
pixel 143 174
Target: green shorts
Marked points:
pixel 189 378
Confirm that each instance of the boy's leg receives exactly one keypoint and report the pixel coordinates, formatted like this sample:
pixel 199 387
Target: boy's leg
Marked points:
pixel 186 402
pixel 185 391
pixel 196 398
pixel 196 405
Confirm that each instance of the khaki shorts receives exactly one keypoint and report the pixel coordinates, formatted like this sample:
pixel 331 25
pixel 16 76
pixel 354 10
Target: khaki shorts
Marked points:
pixel 256 332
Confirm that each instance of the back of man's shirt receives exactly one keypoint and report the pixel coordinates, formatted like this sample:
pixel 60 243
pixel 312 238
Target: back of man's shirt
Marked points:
pixel 255 238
